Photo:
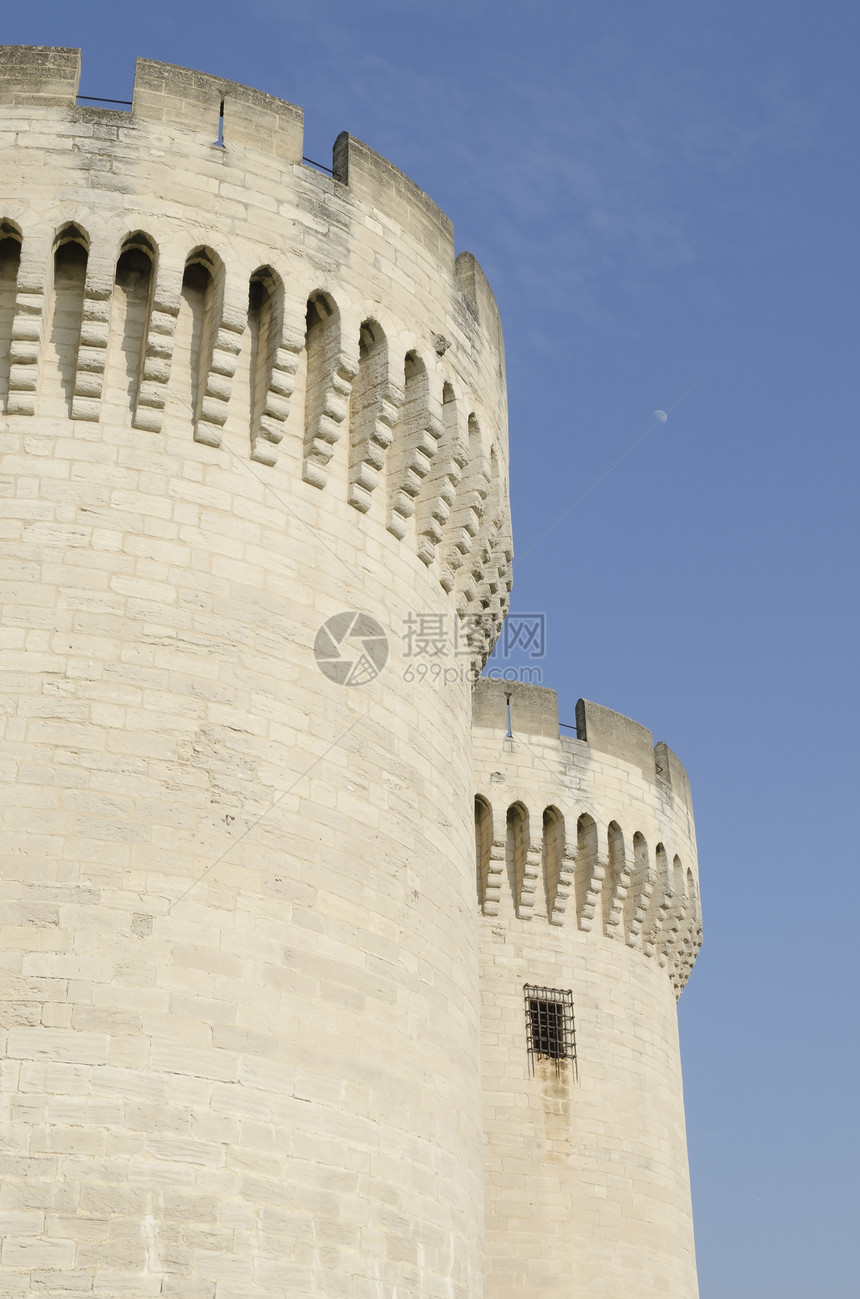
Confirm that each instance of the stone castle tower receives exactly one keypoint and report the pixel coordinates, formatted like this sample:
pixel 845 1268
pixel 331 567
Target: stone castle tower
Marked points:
pixel 323 974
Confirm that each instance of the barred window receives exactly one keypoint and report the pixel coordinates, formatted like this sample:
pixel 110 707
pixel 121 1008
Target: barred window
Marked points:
pixel 550 1030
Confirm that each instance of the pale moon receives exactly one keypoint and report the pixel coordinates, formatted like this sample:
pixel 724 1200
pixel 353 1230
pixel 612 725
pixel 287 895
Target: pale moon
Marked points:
pixel 661 416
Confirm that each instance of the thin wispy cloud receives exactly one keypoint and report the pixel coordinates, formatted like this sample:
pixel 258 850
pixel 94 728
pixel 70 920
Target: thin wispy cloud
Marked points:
pixel 599 172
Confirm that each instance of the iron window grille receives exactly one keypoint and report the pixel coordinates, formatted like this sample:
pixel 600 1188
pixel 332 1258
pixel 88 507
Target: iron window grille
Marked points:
pixel 550 1028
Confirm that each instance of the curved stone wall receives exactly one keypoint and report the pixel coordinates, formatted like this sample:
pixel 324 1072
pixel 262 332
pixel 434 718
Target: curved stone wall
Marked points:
pixel 241 396
pixel 588 884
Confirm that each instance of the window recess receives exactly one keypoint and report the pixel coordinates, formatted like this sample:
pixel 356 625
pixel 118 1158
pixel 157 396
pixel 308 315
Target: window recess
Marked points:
pixel 550 1028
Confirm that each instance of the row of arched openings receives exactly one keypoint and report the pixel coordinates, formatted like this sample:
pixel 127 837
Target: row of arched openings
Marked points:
pixel 372 409
pixel 635 887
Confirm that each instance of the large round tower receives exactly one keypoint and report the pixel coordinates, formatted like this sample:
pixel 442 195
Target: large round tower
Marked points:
pixel 588 887
pixel 241 397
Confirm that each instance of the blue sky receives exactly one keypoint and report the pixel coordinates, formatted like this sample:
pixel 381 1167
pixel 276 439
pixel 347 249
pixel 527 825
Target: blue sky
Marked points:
pixel 662 195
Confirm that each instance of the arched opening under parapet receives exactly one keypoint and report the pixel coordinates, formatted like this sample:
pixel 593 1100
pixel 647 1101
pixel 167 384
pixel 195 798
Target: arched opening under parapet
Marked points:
pixel 196 326
pixel 483 844
pixel 259 350
pixel 475 483
pixel 370 415
pixel 438 490
pixel 639 890
pixel 683 953
pixel 315 378
pixel 71 233
pixel 552 854
pixel 675 917
pixel 611 900
pixel 10 261
pixel 693 900
pixel 516 850
pixel 410 454
pixel 468 508
pixel 470 512
pixel 586 860
pixel 448 442
pixel 493 513
pixel 134 282
pixel 476 580
pixel 655 913
pixel 60 352
pixel 413 368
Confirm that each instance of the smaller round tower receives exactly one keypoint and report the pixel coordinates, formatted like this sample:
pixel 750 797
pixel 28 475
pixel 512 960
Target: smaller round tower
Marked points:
pixel 589 927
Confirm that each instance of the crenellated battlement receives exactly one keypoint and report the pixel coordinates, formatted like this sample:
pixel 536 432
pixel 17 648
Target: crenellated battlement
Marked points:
pixel 226 115
pixel 598 824
pixel 198 279
pixel 235 115
pixel 39 76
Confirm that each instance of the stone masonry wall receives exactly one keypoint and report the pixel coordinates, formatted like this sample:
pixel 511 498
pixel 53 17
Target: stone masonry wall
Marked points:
pixel 237 940
pixel 587 882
